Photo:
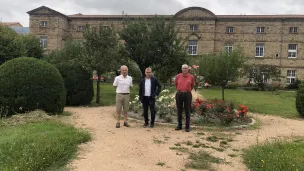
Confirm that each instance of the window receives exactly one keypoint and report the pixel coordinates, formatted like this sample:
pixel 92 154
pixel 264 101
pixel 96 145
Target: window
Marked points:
pixel 265 79
pixel 43 41
pixel 192 47
pixel 193 27
pixel 229 48
pixel 80 28
pixel 229 29
pixel 259 50
pixel 292 51
pixel 43 23
pixel 260 29
pixel 293 29
pixel 291 76
pixel 106 27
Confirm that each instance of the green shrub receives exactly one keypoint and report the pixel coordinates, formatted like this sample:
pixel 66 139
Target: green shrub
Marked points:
pixel 78 83
pixel 27 84
pixel 232 85
pixel 300 100
pixel 294 85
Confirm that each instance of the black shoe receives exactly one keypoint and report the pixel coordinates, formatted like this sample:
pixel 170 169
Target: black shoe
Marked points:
pixel 178 128
pixel 126 124
pixel 145 125
pixel 187 129
pixel 151 125
pixel 118 125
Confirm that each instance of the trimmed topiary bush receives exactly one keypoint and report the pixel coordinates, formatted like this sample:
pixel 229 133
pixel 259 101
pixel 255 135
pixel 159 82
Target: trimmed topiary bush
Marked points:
pixel 27 84
pixel 300 99
pixel 78 83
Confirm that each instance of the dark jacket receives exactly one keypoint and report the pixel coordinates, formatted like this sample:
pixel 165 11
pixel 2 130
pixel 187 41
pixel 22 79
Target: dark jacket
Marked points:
pixel 154 84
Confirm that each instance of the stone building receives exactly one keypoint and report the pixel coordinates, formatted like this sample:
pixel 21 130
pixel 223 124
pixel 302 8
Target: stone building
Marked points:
pixel 268 39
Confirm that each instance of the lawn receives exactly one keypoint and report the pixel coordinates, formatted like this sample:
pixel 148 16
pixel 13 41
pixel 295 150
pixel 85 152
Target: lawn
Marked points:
pixel 42 145
pixel 280 103
pixel 108 94
pixel 276 156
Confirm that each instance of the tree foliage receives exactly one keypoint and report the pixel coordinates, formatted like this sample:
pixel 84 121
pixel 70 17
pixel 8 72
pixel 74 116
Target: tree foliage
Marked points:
pixel 74 70
pixel 102 48
pixel 262 72
pixel 220 68
pixel 154 43
pixel 13 45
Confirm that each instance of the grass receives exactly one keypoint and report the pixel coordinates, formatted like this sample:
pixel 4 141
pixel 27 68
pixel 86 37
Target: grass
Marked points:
pixel 232 155
pixel 42 145
pixel 156 141
pixel 177 144
pixel 160 164
pixel 108 94
pixel 280 103
pixel 202 160
pixel 279 155
pixel 180 149
pixel 212 138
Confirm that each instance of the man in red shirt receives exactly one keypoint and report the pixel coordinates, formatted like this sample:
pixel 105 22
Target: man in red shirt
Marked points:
pixel 184 83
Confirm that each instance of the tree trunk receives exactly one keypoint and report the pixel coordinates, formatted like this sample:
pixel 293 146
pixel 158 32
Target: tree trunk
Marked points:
pixel 98 88
pixel 223 88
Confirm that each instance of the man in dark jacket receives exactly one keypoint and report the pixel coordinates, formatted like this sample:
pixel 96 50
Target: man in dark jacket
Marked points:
pixel 149 89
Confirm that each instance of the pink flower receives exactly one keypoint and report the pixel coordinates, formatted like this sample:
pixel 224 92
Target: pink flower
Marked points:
pixel 198 76
pixel 195 66
pixel 237 114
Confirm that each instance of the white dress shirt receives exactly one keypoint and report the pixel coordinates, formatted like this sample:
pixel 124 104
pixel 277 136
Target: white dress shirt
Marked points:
pixel 123 84
pixel 147 87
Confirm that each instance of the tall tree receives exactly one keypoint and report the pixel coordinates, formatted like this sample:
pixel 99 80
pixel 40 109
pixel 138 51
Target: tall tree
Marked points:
pixel 10 44
pixel 102 49
pixel 153 43
pixel 220 68
pixel 262 72
pixel 13 45
pixel 32 45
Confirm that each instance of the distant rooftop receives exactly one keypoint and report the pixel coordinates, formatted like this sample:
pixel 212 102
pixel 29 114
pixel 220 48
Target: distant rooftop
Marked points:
pixel 17 27
pixel 12 24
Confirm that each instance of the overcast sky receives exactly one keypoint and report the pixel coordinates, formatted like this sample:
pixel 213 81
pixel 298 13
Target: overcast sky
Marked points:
pixel 15 10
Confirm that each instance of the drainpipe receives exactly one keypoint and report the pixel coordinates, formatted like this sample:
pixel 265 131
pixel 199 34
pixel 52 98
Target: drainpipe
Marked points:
pixel 281 46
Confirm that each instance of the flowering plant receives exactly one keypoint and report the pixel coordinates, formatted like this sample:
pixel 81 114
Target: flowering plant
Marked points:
pixel 198 79
pixel 216 111
pixel 242 111
pixel 164 105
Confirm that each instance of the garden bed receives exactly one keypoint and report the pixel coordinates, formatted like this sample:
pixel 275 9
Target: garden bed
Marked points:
pixel 203 113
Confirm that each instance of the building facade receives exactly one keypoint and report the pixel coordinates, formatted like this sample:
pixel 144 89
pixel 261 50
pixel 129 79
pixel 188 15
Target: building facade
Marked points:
pixel 266 39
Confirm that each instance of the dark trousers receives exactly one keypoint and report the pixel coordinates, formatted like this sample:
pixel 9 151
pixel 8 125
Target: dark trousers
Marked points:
pixel 149 101
pixel 183 101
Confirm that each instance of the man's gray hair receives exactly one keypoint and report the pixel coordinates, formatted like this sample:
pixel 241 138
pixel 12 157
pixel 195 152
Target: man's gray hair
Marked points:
pixel 185 65
pixel 124 66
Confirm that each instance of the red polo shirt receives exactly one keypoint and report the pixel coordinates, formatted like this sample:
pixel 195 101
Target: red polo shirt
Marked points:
pixel 184 82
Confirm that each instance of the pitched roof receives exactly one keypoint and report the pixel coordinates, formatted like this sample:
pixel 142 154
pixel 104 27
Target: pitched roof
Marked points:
pixel 33 12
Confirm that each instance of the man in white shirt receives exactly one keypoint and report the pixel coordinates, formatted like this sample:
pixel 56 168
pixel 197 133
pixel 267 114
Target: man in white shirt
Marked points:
pixel 122 83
